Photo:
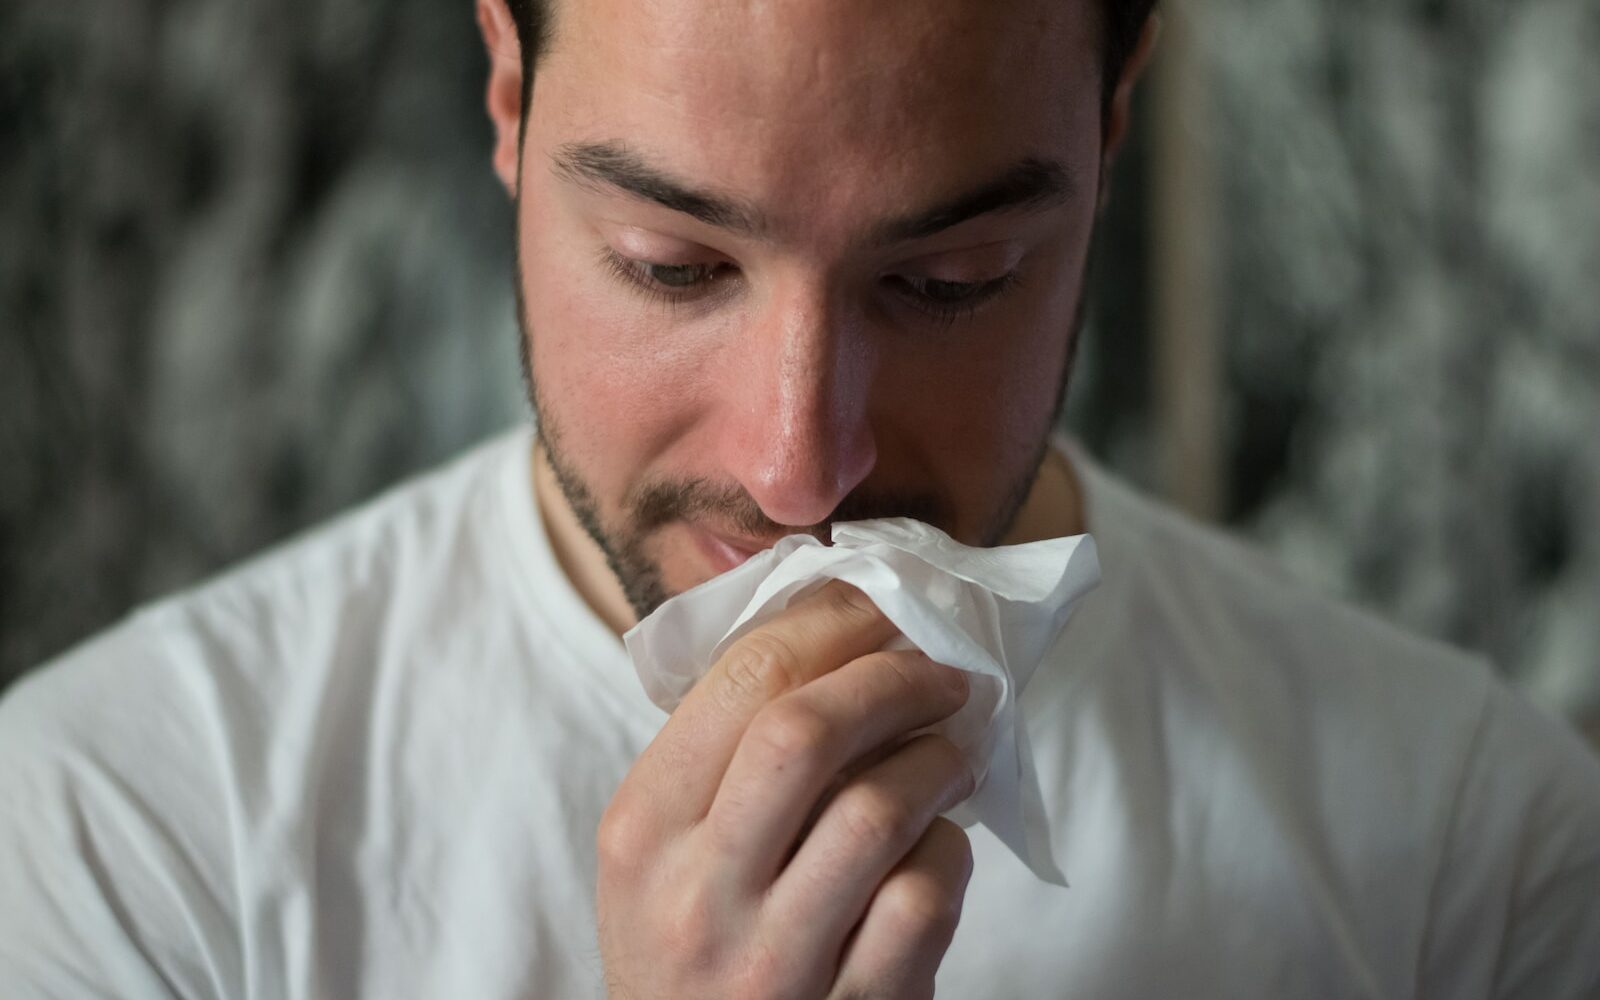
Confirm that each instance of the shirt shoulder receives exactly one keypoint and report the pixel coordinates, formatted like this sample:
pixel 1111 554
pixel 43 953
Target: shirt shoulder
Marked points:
pixel 1223 623
pixel 1456 828
pixel 1517 884
pixel 153 776
pixel 114 820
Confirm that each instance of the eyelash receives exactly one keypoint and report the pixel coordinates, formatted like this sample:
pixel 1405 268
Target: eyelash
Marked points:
pixel 977 294
pixel 630 272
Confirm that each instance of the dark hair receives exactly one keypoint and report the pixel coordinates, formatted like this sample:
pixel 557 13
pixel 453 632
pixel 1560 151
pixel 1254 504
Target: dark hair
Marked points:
pixel 1124 20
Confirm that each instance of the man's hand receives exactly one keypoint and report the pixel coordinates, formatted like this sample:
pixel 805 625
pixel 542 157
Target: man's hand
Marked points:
pixel 780 837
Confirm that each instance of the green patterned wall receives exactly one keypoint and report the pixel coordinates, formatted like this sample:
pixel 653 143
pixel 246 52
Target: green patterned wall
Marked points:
pixel 253 266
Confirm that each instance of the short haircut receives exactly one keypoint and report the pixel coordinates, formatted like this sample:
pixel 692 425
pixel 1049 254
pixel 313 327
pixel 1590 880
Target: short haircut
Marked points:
pixel 1124 20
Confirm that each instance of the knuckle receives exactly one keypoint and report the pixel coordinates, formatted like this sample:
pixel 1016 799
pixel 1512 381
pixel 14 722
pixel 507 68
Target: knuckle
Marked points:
pixel 908 667
pixel 790 730
pixel 924 678
pixel 759 667
pixel 920 907
pixel 873 817
pixel 763 974
pixel 952 844
pixel 851 603
pixel 950 763
pixel 623 839
pixel 691 929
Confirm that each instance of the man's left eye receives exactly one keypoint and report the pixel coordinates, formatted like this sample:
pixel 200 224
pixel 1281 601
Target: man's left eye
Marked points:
pixel 945 299
pixel 677 275
pixel 935 290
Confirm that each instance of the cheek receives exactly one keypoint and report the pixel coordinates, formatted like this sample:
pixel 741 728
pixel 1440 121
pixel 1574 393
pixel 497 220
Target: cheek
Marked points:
pixel 981 402
pixel 971 415
pixel 979 425
pixel 612 381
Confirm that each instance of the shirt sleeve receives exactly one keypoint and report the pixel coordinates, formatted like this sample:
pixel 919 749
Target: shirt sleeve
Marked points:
pixel 1516 898
pixel 111 881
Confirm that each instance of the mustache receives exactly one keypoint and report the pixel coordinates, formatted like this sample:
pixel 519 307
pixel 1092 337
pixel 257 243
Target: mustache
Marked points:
pixel 659 504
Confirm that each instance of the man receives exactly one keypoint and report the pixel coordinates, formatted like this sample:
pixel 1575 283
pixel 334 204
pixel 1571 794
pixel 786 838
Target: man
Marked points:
pixel 780 264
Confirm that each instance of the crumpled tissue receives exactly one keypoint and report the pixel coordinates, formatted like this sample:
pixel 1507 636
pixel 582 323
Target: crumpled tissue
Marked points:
pixel 993 612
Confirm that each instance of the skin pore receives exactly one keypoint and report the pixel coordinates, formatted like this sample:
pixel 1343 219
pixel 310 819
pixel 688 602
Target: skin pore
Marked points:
pixel 787 263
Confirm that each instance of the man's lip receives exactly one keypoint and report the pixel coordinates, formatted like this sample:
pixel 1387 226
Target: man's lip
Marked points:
pixel 725 552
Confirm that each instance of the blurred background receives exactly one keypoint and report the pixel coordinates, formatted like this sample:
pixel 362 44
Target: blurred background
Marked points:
pixel 254 267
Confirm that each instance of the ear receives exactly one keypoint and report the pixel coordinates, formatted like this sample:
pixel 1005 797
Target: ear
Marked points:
pixel 1119 114
pixel 504 96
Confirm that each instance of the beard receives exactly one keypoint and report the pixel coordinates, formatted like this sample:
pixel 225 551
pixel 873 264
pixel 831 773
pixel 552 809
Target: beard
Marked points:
pixel 651 506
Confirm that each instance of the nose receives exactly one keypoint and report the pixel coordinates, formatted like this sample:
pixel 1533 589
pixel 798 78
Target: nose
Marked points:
pixel 798 435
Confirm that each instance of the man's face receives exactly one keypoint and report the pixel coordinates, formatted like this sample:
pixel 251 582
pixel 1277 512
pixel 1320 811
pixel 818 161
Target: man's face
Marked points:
pixel 783 263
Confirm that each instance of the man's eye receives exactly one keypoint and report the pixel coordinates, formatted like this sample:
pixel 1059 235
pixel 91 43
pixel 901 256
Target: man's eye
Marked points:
pixel 950 300
pixel 677 275
pixel 942 292
pixel 669 281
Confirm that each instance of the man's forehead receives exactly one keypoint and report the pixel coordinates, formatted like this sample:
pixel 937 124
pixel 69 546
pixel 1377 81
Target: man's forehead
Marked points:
pixel 790 48
pixel 784 27
pixel 818 105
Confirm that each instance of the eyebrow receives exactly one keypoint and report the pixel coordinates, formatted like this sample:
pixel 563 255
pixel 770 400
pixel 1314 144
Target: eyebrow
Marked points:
pixel 615 165
pixel 1030 184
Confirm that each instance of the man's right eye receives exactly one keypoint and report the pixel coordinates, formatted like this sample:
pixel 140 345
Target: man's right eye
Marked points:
pixel 669 282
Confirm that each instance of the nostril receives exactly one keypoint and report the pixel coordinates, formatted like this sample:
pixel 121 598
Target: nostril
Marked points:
pixel 802 442
pixel 807 476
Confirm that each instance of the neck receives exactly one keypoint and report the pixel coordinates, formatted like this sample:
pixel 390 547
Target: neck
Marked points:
pixel 1054 507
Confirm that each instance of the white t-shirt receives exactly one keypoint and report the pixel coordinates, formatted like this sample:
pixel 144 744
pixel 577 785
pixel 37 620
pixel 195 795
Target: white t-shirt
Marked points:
pixel 370 765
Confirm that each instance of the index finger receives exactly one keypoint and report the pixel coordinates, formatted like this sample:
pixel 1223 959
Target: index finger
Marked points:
pixel 812 637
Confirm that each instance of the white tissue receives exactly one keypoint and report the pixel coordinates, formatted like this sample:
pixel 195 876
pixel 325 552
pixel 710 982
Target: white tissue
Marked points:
pixel 992 612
